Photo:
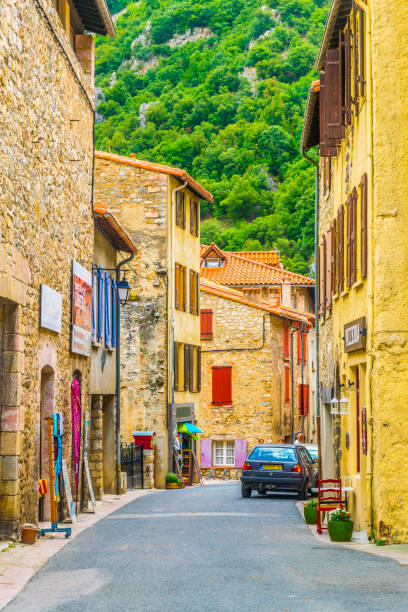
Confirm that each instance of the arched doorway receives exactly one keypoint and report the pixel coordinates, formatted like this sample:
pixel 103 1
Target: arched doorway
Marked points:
pixel 47 402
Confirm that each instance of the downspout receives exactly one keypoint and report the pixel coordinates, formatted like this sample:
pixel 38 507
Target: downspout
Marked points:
pixel 292 383
pixel 316 242
pixel 370 272
pixel 118 459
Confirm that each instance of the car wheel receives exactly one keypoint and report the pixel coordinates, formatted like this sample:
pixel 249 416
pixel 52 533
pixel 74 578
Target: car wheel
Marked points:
pixel 262 492
pixel 302 494
pixel 246 491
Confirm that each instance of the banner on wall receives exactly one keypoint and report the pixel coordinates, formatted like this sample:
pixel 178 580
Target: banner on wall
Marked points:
pixel 81 335
pixel 76 425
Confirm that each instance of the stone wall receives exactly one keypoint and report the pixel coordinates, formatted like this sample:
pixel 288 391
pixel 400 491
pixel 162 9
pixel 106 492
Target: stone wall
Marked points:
pixel 45 223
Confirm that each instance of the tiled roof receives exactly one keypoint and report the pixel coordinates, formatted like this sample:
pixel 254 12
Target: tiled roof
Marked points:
pixel 237 296
pixel 111 228
pixel 241 271
pixel 269 258
pixel 146 165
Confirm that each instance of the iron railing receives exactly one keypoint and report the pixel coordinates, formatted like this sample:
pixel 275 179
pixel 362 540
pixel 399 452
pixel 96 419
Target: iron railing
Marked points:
pixel 131 459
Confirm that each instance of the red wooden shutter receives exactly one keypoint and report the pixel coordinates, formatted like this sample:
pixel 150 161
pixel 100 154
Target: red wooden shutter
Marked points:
pixel 206 321
pixel 353 275
pixel 347 72
pixel 364 226
pixel 299 346
pixel 287 383
pixel 221 385
pixel 285 340
pixel 349 247
pixel 303 399
pixel 328 269
pixel 355 60
pixel 304 348
pixel 302 338
pixel 333 97
pixel 300 399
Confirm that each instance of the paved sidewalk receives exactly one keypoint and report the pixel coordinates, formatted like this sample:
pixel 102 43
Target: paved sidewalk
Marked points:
pixel 398 552
pixel 20 562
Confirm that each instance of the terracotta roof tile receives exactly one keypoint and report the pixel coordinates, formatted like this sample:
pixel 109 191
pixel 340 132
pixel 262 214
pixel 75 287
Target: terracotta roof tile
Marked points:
pixel 110 226
pixel 270 258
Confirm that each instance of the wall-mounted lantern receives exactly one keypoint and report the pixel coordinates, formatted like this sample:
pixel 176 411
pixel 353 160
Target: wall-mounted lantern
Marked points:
pixel 344 406
pixel 334 406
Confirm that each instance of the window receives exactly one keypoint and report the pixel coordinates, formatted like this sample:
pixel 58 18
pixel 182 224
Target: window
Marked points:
pixel 194 217
pixel 328 260
pixel 221 385
pixel 114 306
pixel 271 453
pixel 206 323
pixel 178 367
pixel 213 262
pixel 180 287
pixel 363 226
pixel 322 276
pixel 351 237
pixel 286 340
pixel 340 250
pixel 303 399
pixel 181 209
pixel 94 302
pixel 187 370
pixel 224 452
pixel 287 384
pixel 194 292
pixel 326 175
pixel 302 340
pixel 108 309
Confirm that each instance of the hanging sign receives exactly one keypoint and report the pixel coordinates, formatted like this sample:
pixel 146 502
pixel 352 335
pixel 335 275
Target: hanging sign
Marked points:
pixel 81 310
pixel 50 309
pixel 355 334
pixel 364 430
pixel 89 481
pixel 68 494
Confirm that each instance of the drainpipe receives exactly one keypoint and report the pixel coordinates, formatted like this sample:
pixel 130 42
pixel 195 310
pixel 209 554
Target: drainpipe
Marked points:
pixel 316 242
pixel 118 459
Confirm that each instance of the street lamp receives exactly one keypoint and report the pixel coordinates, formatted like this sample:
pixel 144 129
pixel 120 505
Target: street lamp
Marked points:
pixel 123 288
pixel 344 405
pixel 334 406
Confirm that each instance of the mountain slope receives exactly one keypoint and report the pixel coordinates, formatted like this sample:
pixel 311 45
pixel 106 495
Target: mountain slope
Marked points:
pixel 218 88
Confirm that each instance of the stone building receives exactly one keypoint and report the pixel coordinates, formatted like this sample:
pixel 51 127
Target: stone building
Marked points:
pixel 160 385
pixel 248 392
pixel 110 239
pixel 46 231
pixel 363 224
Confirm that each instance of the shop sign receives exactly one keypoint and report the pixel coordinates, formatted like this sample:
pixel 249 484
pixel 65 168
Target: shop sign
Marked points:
pixel 81 310
pixel 50 309
pixel 355 334
pixel 364 430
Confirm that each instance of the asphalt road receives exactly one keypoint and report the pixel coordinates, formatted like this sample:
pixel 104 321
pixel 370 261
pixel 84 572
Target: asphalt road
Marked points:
pixel 207 549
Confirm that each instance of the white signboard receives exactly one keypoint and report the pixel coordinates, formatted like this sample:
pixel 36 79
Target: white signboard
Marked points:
pixel 50 309
pixel 68 494
pixel 81 310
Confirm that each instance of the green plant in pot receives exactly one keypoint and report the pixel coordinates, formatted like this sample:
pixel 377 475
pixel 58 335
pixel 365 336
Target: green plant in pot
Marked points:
pixel 340 525
pixel 310 512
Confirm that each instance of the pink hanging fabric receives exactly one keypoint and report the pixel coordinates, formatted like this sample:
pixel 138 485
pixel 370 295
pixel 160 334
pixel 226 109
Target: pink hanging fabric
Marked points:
pixel 76 424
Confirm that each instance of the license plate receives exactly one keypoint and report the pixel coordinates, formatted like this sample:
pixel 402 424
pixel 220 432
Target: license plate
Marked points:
pixel 272 467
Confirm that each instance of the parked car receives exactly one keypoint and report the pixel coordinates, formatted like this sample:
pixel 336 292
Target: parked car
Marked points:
pixel 313 451
pixel 278 467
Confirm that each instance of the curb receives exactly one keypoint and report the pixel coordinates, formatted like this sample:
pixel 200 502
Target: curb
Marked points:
pixel 21 562
pixel 401 558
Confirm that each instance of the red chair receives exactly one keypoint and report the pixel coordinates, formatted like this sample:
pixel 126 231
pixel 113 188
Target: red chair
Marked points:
pixel 329 497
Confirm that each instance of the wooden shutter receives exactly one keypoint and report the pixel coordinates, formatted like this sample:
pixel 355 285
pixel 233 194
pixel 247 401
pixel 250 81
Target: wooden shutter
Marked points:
pixel 178 208
pixel 197 217
pixel 362 52
pixel 176 366
pixel 347 72
pixel 322 277
pixel 353 274
pixel 286 340
pixel 355 61
pixel 221 385
pixel 198 293
pixel 328 259
pixel 324 149
pixel 191 216
pixel 303 399
pixel 206 327
pixel 191 367
pixel 304 348
pixel 299 346
pixel 184 285
pixel 287 383
pixel 192 290
pixel 341 248
pixel 302 339
pixel 333 261
pixel 183 209
pixel 364 226
pixel 199 368
pixel 349 223
pixel 333 97
pixel 186 366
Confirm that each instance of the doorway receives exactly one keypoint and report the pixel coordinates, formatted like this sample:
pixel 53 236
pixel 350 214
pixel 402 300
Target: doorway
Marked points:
pixel 47 400
pixel 108 444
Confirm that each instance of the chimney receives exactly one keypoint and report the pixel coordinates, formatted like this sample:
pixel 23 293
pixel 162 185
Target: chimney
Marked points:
pixel 285 300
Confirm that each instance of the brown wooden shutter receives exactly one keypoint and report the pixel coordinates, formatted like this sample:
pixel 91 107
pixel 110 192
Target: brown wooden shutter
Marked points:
pixel 177 286
pixel 206 326
pixel 362 52
pixel 328 259
pixel 364 226
pixel 333 287
pixel 185 291
pixel 178 207
pixel 347 72
pixel 355 60
pixel 192 290
pixel 191 368
pixel 183 208
pixel 198 293
pixel 186 366
pixel 349 246
pixel 333 97
pixel 197 213
pixel 191 216
pixel 221 385
pixel 322 277
pixel 353 274
pixel 199 368
pixel 176 366
pixel 341 251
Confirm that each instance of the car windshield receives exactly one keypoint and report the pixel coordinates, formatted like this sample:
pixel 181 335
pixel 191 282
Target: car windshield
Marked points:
pixel 278 453
pixel 312 452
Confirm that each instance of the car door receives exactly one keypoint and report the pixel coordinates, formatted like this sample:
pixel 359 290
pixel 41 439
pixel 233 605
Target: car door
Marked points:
pixel 308 463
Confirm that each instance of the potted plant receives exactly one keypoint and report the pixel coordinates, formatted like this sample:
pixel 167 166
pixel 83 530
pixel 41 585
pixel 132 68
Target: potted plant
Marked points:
pixel 171 481
pixel 310 512
pixel 340 525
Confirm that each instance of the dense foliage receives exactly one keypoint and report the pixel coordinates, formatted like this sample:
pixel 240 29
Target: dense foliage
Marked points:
pixel 227 107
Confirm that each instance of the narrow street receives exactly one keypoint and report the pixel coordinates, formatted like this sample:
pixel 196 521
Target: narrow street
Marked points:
pixel 208 549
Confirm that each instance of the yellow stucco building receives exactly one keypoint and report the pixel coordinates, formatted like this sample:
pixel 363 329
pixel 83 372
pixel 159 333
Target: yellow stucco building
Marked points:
pixel 357 115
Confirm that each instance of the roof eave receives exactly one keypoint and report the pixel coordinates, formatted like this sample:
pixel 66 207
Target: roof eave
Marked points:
pixel 331 22
pixel 312 98
pixel 106 17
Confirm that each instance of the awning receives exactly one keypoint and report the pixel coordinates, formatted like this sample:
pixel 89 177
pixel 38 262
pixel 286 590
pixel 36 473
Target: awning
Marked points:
pixel 188 428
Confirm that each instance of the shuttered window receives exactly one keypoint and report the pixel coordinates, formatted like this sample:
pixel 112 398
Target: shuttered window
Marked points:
pixel 287 383
pixel 302 339
pixel 206 323
pixel 328 259
pixel 324 150
pixel 363 223
pixel 221 385
pixel 347 72
pixel 303 394
pixel 179 286
pixel 181 209
pixel 194 217
pixel 349 223
pixel 114 307
pixel 322 277
pixel 178 369
pixel 108 306
pixel 362 52
pixel 353 273
pixel 186 367
pixel 356 63
pixel 340 249
pixel 286 340
pixel 194 292
pixel 184 288
pixel 100 305
pixel 333 97
pixel 94 302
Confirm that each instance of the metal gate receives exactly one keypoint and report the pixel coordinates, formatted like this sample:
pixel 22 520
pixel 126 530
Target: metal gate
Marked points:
pixel 131 458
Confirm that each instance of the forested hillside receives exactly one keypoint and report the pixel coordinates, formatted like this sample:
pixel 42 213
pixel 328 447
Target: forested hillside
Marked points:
pixel 218 87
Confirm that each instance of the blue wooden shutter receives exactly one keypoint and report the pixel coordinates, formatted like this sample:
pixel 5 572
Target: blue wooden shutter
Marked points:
pixel 100 304
pixel 114 306
pixel 107 309
pixel 94 283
